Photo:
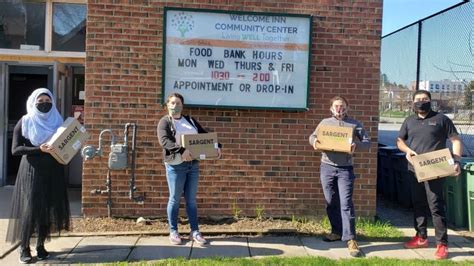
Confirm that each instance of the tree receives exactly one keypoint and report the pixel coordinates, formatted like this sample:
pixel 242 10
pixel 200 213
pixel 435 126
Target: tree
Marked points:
pixel 468 95
pixel 384 79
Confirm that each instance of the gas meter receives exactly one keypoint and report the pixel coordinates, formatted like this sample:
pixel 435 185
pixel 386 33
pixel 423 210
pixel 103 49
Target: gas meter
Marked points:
pixel 118 156
pixel 118 160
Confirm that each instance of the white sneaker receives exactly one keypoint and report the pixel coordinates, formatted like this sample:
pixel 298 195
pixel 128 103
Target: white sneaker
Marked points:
pixel 198 238
pixel 175 239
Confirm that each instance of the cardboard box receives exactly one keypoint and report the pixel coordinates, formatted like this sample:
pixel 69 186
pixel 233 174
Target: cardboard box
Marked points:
pixel 433 165
pixel 68 140
pixel 202 146
pixel 334 138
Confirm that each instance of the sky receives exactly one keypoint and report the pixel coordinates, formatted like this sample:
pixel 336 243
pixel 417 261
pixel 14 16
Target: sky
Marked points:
pixel 399 13
pixel 446 57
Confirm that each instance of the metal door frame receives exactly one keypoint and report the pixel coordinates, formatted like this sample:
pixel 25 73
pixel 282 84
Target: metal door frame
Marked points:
pixel 4 104
pixel 3 122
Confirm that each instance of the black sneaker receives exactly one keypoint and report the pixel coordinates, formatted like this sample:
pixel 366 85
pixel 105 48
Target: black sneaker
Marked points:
pixel 332 237
pixel 25 255
pixel 41 253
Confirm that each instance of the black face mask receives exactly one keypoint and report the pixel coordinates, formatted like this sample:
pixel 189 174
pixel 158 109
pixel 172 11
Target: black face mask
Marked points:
pixel 422 106
pixel 44 107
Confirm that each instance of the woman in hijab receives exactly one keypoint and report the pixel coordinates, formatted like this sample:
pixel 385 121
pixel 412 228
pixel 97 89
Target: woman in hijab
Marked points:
pixel 40 202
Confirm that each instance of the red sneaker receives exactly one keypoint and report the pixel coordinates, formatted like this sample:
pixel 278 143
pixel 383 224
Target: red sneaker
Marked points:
pixel 417 242
pixel 441 252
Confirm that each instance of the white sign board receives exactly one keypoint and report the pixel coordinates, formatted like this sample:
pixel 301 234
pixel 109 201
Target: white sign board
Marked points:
pixel 235 59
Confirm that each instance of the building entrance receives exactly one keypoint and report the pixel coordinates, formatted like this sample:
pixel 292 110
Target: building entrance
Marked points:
pixel 17 82
pixel 22 81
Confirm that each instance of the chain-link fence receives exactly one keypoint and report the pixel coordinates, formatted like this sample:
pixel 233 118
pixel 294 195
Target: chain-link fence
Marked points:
pixel 434 54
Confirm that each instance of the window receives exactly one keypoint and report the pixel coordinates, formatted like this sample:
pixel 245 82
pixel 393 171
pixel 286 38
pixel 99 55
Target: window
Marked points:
pixel 22 25
pixel 45 25
pixel 69 27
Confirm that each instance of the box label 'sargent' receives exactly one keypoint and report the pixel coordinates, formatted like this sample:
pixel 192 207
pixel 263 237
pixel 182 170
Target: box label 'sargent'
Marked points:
pixel 201 146
pixel 334 138
pixel 433 165
pixel 67 140
pixel 201 141
pixel 433 161
pixel 335 134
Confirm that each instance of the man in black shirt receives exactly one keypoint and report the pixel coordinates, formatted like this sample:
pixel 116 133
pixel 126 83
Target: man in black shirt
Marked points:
pixel 427 131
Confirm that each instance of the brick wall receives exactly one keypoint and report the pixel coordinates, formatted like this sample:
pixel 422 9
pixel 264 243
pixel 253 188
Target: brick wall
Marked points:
pixel 267 158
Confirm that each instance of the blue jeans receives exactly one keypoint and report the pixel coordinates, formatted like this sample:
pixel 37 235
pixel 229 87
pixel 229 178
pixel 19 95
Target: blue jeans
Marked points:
pixel 182 178
pixel 338 186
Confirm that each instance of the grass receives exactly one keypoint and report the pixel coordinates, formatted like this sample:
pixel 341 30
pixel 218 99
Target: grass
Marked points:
pixel 236 211
pixel 394 114
pixel 259 212
pixel 366 229
pixel 377 230
pixel 294 261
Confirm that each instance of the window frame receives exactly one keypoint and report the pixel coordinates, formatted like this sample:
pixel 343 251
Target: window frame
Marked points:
pixel 13 54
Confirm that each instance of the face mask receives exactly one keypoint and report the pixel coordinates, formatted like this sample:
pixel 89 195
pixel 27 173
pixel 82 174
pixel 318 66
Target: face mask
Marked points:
pixel 175 110
pixel 44 107
pixel 342 112
pixel 422 106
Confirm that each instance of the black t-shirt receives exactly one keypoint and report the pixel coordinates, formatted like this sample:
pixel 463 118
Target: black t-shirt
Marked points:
pixel 428 134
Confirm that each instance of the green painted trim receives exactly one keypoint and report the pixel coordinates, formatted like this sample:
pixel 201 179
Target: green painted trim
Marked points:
pixel 163 57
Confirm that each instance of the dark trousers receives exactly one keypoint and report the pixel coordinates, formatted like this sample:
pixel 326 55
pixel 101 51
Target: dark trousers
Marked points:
pixel 429 195
pixel 338 186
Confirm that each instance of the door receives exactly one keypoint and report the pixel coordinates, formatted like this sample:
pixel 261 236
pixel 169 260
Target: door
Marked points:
pixel 22 81
pixel 76 109
pixel 64 80
pixel 59 89
pixel 3 123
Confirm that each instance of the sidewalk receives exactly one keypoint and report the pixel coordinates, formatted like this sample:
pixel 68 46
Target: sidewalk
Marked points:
pixel 103 249
pixel 79 250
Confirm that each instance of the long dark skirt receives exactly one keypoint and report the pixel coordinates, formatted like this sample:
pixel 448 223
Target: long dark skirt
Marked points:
pixel 40 202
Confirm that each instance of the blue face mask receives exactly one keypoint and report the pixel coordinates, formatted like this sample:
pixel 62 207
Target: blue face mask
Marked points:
pixel 175 110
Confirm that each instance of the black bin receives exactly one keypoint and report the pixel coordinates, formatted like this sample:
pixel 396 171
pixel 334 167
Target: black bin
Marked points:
pixel 386 183
pixel 400 172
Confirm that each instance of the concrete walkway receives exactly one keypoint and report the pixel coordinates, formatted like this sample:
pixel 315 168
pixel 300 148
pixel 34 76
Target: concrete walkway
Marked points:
pixel 5 201
pixel 80 250
pixel 106 249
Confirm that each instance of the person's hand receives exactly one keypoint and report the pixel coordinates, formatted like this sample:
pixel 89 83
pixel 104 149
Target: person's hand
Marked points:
pixel 219 153
pixel 187 156
pixel 46 148
pixel 410 153
pixel 457 167
pixel 353 147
